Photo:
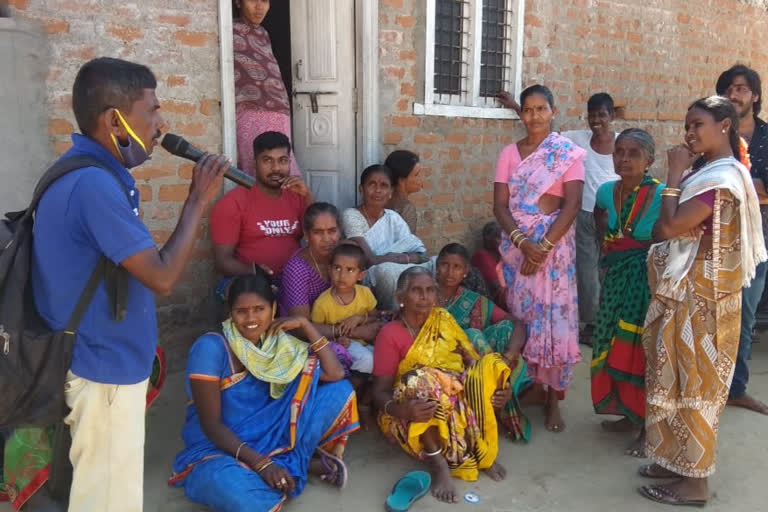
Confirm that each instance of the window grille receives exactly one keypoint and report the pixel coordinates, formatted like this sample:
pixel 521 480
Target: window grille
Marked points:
pixel 450 82
pixel 473 52
pixel 496 48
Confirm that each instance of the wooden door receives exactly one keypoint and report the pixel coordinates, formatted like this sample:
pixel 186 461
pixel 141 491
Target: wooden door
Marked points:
pixel 324 97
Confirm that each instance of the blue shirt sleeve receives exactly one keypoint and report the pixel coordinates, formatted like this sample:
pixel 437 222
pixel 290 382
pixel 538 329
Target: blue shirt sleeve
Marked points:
pixel 107 217
pixel 209 357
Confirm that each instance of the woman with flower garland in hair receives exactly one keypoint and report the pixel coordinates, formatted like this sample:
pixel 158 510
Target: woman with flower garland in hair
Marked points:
pixel 712 242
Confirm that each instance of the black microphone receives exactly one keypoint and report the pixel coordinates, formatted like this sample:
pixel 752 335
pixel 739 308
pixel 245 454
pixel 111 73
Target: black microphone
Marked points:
pixel 178 146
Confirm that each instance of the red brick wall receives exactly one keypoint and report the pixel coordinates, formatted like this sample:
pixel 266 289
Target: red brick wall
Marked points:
pixel 653 57
pixel 178 40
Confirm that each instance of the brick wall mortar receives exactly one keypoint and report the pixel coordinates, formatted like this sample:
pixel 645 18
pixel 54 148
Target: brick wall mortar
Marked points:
pixel 654 57
pixel 178 40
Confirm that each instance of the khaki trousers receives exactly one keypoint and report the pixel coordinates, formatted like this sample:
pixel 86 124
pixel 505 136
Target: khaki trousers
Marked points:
pixel 107 454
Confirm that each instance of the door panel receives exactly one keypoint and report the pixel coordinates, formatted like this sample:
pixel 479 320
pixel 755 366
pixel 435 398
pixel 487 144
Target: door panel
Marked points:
pixel 323 52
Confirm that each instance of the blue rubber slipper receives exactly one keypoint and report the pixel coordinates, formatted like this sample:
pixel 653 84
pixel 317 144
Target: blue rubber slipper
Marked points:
pixel 408 489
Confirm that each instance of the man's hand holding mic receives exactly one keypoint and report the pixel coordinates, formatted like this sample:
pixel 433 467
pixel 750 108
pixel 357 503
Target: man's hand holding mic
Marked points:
pixel 207 178
pixel 160 270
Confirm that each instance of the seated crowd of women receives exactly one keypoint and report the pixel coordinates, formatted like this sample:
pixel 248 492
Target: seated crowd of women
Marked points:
pixel 372 329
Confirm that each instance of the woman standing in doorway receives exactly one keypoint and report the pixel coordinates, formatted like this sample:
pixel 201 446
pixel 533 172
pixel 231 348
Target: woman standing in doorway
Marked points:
pixel 537 196
pixel 262 103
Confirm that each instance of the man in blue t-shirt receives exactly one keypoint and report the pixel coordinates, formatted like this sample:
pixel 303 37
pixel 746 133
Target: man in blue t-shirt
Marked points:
pixel 86 215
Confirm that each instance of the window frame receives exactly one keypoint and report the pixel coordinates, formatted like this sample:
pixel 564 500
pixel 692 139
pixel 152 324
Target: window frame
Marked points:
pixel 478 106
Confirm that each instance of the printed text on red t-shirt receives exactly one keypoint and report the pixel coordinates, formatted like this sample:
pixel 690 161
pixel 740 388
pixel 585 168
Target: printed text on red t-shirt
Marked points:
pixel 278 227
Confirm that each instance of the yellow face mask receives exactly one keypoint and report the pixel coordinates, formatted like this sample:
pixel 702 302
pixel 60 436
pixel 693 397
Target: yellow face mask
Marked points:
pixel 135 152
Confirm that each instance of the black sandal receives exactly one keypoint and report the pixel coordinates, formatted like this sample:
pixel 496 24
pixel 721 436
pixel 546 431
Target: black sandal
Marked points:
pixel 666 496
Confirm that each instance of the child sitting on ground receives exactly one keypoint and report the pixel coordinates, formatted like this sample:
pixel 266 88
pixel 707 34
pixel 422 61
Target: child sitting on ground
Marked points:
pixel 346 306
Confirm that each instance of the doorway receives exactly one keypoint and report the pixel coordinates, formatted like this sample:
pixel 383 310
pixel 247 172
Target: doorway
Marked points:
pixel 318 47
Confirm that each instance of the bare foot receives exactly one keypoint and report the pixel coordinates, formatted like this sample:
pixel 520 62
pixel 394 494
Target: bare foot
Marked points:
pixel 497 472
pixel 443 488
pixel 554 421
pixel 749 402
pixel 622 425
pixel 637 448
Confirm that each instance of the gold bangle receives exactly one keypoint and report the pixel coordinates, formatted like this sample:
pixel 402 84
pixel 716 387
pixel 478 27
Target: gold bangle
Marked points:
pixel 517 237
pixel 237 452
pixel 319 348
pixel 545 241
pixel 318 342
pixel 518 244
pixel 670 192
pixel 265 465
pixel 514 232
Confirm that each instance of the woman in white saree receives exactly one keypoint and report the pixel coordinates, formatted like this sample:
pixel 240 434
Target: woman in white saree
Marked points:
pixel 389 245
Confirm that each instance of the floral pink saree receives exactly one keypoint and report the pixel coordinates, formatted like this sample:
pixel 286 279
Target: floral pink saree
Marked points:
pixel 545 301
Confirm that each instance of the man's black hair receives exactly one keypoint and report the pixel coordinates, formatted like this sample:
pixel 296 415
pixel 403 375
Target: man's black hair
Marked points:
pixel 270 140
pixel 106 83
pixel 725 80
pixel 600 100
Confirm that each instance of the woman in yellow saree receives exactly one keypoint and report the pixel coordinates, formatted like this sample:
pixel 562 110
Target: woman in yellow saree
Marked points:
pixel 438 398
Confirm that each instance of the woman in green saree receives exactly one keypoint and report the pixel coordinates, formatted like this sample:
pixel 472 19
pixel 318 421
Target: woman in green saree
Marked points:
pixel 488 327
pixel 625 213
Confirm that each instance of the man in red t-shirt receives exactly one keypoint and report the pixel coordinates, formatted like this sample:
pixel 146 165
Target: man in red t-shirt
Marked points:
pixel 261 226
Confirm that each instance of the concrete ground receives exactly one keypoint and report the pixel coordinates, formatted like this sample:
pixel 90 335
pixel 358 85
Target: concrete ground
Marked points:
pixel 582 469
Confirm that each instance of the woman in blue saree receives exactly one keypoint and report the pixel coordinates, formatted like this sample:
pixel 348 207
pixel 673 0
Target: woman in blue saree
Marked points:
pixel 266 409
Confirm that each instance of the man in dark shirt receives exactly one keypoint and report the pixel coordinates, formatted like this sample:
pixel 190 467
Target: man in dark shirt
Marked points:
pixel 741 85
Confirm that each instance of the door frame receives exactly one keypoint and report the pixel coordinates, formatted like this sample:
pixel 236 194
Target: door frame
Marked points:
pixel 368 148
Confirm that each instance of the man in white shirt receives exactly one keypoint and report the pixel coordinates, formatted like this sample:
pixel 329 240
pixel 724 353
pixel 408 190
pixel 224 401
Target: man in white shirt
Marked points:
pixel 598 169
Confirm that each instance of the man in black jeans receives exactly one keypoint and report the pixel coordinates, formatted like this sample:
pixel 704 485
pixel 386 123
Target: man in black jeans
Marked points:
pixel 741 85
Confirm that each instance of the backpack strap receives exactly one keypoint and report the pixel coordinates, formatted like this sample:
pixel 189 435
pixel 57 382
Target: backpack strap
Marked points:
pixel 87 296
pixel 65 166
pixel 105 269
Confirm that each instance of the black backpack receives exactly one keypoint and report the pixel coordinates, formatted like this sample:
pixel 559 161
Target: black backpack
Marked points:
pixel 33 359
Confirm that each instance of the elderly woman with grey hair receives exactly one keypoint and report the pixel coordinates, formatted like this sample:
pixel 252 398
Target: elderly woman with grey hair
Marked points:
pixel 438 397
pixel 625 213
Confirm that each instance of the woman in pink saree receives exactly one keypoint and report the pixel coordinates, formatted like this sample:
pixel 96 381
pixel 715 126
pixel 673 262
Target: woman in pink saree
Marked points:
pixel 261 100
pixel 537 195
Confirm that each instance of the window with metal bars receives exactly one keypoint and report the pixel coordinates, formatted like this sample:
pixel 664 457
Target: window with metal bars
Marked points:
pixel 473 52
pixel 496 46
pixel 450 48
